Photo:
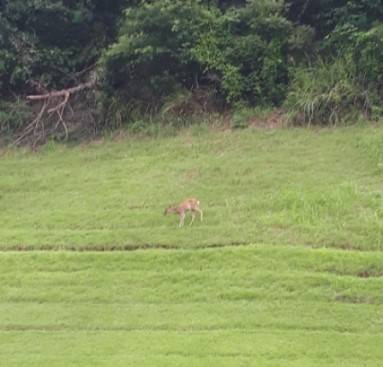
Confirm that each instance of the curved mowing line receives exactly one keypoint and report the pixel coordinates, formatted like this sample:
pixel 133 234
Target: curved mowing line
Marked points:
pixel 159 246
pixel 253 328
pixel 113 248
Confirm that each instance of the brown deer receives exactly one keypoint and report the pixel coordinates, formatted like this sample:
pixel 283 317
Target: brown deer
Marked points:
pixel 191 205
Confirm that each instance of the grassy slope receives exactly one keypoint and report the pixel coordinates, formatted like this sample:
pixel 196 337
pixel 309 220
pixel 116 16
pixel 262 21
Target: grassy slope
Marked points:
pixel 269 304
pixel 238 306
pixel 301 187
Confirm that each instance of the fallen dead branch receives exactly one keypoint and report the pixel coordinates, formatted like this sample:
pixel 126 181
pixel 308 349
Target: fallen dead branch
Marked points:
pixel 53 103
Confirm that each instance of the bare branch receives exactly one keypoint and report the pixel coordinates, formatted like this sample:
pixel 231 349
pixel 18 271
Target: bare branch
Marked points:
pixel 33 125
pixel 57 100
pixel 62 104
pixel 63 92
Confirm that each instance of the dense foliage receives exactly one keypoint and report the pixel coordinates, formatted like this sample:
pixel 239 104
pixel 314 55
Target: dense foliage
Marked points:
pixel 52 40
pixel 171 45
pixel 322 60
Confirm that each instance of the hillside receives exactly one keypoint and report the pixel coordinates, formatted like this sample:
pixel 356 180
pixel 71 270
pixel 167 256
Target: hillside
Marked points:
pixel 286 268
pixel 286 186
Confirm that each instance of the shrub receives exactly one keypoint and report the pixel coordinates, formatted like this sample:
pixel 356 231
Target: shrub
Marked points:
pixel 328 93
pixel 170 48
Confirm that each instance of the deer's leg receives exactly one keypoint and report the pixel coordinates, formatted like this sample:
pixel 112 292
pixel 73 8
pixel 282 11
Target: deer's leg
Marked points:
pixel 182 219
pixel 200 214
pixel 193 216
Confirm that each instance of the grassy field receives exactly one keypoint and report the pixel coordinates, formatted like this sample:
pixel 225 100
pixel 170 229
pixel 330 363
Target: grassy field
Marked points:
pixel 254 305
pixel 265 280
pixel 296 187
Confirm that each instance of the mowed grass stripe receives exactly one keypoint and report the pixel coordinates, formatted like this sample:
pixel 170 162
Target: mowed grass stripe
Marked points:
pixel 257 256
pixel 254 305
pixel 294 315
pixel 212 348
pixel 296 187
pixel 191 349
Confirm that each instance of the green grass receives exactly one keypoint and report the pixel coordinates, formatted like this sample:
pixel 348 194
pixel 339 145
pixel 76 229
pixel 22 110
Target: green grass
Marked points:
pixel 255 305
pixel 249 286
pixel 294 187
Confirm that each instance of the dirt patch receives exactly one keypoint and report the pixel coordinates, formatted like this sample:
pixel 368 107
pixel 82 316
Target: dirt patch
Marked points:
pixel 274 120
pixel 363 274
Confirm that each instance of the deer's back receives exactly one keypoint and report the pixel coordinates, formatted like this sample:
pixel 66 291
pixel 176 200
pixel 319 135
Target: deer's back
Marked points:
pixel 190 203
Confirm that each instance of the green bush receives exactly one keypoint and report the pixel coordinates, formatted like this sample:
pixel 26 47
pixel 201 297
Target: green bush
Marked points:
pixel 169 46
pixel 152 57
pixel 328 93
pixel 349 37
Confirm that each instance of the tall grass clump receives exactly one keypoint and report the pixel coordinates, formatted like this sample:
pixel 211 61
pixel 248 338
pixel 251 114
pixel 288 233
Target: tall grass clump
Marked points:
pixel 13 115
pixel 327 94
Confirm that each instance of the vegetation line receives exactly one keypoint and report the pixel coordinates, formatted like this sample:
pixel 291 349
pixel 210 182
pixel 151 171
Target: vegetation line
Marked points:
pixel 153 246
pixel 106 248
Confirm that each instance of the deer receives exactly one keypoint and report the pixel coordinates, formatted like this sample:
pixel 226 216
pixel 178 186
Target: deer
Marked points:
pixel 186 205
